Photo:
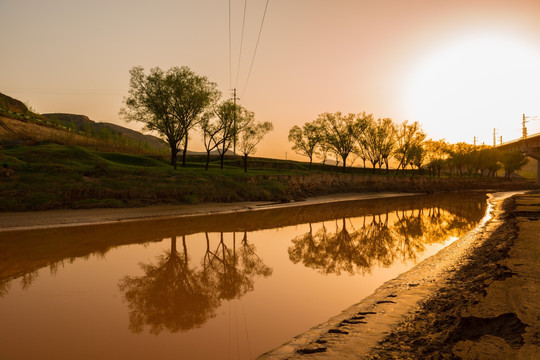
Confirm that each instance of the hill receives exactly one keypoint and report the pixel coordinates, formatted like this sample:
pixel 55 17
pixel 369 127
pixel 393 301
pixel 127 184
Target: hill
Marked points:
pixel 83 124
pixel 20 126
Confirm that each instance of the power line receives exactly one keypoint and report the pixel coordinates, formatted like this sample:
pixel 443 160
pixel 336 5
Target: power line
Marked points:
pixel 230 51
pixel 256 46
pixel 241 43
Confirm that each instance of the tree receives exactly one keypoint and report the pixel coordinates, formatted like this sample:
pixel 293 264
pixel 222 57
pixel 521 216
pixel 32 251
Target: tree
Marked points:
pixel 460 156
pixel 513 161
pixel 171 103
pixel 435 153
pixel 409 137
pixel 210 130
pixel 232 118
pixel 340 132
pixel 250 136
pixel 305 140
pixel 377 142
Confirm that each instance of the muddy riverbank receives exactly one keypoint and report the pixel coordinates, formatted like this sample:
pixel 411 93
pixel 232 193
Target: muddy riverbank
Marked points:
pixel 488 309
pixel 475 299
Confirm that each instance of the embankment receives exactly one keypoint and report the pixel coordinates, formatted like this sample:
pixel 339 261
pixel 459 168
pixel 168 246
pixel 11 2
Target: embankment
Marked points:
pixel 299 186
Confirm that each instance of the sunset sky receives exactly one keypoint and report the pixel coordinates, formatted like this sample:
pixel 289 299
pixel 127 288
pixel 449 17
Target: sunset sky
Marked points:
pixel 461 68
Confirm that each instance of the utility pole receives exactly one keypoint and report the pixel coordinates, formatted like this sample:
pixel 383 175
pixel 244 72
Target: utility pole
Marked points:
pixel 474 141
pixel 524 127
pixel 500 140
pixel 494 137
pixel 234 121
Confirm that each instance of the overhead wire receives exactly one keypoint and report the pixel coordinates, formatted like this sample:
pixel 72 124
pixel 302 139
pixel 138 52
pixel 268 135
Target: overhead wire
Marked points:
pixel 230 47
pixel 241 43
pixel 256 46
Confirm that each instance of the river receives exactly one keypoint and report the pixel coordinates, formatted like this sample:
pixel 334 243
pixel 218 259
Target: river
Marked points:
pixel 229 286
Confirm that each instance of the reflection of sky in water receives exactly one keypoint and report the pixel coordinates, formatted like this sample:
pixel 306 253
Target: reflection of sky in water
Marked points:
pixel 215 294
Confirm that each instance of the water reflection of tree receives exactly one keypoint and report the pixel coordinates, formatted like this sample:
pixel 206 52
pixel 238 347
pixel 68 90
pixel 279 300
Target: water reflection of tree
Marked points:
pixel 375 242
pixel 230 271
pixel 169 296
pixel 173 296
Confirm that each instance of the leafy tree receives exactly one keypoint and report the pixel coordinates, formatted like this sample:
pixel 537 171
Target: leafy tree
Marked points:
pixel 250 136
pixel 171 103
pixel 305 140
pixel 340 132
pixel 409 137
pixel 435 153
pixel 492 161
pixel 460 156
pixel 513 161
pixel 417 156
pixel 377 142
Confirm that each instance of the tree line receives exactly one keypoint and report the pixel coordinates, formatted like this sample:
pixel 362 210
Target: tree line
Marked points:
pixel 178 101
pixel 377 141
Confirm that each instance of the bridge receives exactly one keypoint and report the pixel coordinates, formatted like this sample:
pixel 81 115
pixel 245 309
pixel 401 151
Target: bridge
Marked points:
pixel 529 145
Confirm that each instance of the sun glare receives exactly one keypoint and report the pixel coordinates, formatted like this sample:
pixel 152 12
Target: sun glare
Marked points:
pixel 474 84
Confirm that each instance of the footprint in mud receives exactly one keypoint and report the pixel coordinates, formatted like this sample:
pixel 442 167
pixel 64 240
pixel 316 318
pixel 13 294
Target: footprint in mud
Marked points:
pixel 311 350
pixel 363 313
pixel 385 302
pixel 351 322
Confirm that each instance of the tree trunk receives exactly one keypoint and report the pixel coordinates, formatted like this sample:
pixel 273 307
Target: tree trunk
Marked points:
pixel 310 161
pixel 173 244
pixel 344 157
pixel 207 159
pixel 185 150
pixel 173 154
pixel 245 163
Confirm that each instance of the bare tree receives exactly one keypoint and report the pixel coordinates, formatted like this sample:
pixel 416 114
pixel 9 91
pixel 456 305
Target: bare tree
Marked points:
pixel 210 129
pixel 232 118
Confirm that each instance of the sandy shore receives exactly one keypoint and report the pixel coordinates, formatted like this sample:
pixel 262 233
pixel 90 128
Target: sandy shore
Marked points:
pixel 475 299
pixel 10 221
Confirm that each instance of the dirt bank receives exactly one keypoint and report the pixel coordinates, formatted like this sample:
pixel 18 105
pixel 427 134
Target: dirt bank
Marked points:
pixel 475 299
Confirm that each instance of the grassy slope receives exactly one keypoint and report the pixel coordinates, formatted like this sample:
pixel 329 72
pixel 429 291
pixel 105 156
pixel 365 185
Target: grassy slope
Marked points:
pixel 55 176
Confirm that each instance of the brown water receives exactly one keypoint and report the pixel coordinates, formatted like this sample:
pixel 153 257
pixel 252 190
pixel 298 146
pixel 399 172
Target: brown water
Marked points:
pixel 221 287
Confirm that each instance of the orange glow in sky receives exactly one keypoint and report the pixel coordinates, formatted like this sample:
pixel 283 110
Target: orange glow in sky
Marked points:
pixel 460 68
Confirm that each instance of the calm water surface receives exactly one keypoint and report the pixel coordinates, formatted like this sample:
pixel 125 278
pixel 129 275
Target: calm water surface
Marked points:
pixel 221 287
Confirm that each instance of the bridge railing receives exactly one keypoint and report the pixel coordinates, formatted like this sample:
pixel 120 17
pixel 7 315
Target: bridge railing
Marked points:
pixel 518 140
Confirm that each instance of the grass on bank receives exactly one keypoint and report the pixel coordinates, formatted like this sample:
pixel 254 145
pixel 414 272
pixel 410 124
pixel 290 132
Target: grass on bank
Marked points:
pixel 52 176
pixel 57 176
